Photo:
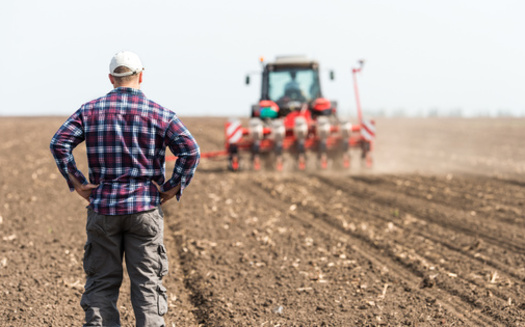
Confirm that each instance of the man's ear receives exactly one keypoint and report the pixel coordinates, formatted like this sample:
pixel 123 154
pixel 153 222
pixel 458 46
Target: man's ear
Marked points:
pixel 140 78
pixel 111 79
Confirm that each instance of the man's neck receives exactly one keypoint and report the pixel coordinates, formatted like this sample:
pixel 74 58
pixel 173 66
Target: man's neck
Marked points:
pixel 131 85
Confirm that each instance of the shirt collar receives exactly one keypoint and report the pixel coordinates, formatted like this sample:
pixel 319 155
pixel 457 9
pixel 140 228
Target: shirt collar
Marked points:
pixel 128 90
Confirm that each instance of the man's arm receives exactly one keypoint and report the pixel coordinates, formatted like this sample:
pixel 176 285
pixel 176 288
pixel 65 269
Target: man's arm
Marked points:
pixel 183 145
pixel 68 136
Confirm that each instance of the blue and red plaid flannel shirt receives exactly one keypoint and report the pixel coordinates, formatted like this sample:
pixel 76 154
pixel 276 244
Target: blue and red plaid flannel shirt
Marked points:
pixel 126 138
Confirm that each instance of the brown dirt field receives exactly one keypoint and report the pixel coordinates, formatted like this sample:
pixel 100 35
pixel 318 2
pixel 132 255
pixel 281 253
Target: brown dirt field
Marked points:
pixel 432 236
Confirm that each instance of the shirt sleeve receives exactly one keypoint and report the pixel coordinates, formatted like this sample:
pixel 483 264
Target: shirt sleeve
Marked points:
pixel 185 148
pixel 68 136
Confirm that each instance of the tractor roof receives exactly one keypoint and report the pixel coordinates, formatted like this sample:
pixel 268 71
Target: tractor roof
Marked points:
pixel 300 61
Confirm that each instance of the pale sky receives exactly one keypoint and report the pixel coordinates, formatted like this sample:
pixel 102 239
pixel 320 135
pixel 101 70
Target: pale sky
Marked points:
pixel 420 55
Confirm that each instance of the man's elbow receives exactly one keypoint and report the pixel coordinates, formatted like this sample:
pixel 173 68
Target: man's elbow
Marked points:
pixel 197 154
pixel 198 151
pixel 53 147
pixel 57 148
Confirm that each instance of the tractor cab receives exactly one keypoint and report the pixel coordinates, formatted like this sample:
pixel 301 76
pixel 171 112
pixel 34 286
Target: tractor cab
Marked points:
pixel 289 83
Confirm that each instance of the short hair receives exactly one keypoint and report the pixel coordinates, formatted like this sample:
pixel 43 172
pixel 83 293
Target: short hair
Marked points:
pixel 123 79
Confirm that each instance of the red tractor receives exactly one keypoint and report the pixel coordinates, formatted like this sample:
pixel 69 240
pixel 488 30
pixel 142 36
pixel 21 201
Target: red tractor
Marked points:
pixel 292 117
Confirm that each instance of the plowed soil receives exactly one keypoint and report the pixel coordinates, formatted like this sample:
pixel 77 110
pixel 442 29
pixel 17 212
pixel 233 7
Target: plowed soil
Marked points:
pixel 433 235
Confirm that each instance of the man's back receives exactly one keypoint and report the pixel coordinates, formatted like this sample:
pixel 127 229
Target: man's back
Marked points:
pixel 126 137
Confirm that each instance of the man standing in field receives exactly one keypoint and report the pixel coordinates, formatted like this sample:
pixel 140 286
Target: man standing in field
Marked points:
pixel 126 137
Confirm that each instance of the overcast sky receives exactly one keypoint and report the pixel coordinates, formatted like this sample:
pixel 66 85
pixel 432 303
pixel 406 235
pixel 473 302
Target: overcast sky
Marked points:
pixel 420 55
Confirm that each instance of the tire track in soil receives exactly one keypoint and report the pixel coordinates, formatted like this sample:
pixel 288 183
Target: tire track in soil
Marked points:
pixel 365 252
pixel 469 243
pixel 510 192
pixel 204 298
pixel 439 235
pixel 501 199
pixel 213 294
pixel 191 294
pixel 369 251
pixel 201 296
pixel 492 287
pixel 182 309
pixel 421 256
pixel 496 236
pixel 474 248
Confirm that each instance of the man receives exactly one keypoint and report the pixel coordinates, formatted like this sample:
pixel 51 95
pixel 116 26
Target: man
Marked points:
pixel 126 137
pixel 292 89
pixel 292 84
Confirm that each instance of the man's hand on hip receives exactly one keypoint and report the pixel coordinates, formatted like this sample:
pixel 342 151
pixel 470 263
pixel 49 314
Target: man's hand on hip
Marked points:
pixel 83 190
pixel 168 195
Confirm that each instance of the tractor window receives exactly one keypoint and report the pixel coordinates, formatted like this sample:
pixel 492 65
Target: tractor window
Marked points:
pixel 299 85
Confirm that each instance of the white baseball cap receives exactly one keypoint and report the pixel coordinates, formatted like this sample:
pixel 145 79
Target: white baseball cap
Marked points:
pixel 127 59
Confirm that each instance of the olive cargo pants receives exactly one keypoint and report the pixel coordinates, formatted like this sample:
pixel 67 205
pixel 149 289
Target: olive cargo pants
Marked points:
pixel 140 238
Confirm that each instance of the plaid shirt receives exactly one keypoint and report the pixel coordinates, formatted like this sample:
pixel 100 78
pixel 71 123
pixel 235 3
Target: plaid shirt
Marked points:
pixel 126 138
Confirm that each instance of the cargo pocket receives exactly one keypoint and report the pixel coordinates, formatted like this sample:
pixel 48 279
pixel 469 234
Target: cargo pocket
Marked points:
pixel 86 261
pixel 163 260
pixel 90 262
pixel 162 302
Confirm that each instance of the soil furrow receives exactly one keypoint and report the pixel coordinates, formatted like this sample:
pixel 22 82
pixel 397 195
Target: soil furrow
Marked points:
pixel 485 188
pixel 192 292
pixel 408 249
pixel 474 248
pixel 414 249
pixel 450 218
pixel 371 251
pixel 433 232
pixel 482 197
